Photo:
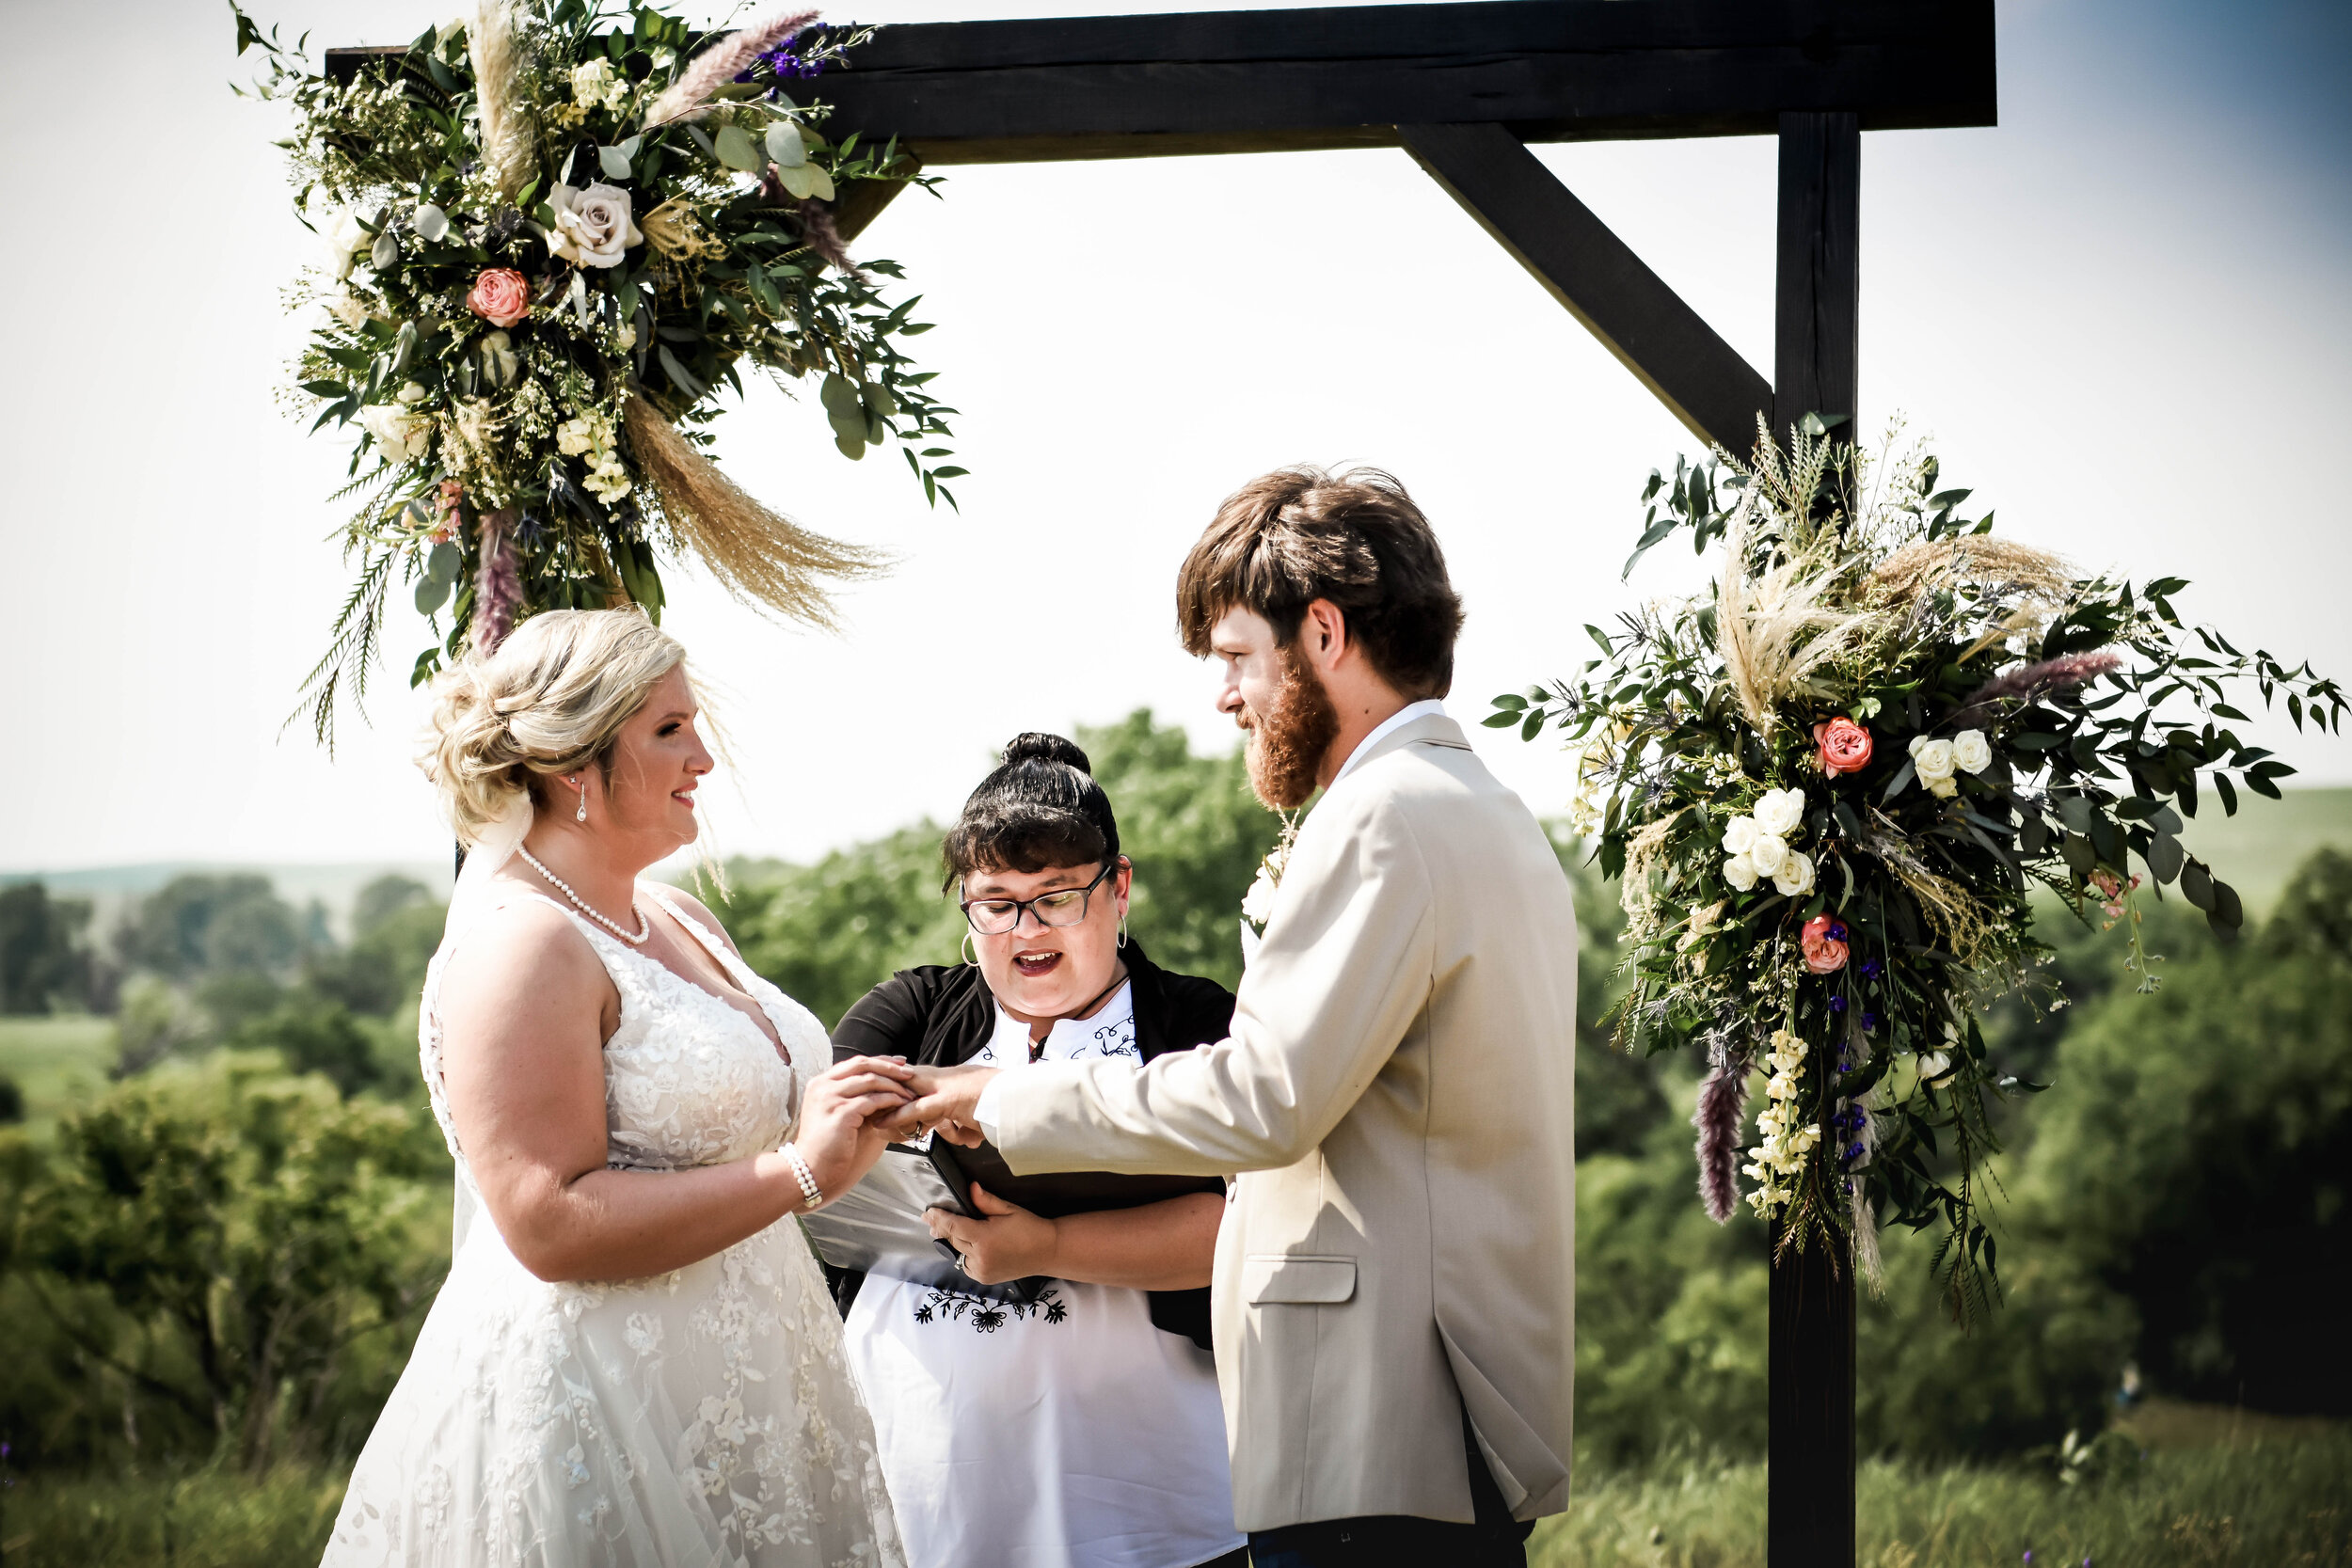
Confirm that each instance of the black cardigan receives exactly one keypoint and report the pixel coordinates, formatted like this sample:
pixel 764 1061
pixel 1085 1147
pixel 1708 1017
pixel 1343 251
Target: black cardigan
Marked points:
pixel 939 1015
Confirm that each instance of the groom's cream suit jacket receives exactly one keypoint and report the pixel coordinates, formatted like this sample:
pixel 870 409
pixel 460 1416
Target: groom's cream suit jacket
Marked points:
pixel 1398 1098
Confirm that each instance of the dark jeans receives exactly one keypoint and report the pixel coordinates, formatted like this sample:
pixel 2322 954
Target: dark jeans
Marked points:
pixel 1492 1540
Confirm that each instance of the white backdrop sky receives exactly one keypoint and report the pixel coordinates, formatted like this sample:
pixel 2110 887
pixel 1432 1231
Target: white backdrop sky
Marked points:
pixel 2124 315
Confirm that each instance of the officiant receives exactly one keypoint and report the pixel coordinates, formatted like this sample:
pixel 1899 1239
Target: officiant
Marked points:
pixel 1076 1425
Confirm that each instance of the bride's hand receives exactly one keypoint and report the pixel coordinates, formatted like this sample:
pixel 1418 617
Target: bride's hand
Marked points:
pixel 844 1119
pixel 943 1100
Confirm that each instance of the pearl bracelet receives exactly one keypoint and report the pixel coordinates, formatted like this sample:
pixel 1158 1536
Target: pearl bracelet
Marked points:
pixel 810 1191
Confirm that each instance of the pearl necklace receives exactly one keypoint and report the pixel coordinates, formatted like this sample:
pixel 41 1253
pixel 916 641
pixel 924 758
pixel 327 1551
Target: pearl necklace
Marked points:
pixel 645 927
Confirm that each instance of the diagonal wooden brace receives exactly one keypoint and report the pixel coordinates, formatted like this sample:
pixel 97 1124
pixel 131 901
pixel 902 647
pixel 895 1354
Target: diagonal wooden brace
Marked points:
pixel 1607 288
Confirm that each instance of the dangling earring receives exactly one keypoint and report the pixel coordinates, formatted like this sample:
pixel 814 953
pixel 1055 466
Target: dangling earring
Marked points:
pixel 1122 928
pixel 969 956
pixel 582 814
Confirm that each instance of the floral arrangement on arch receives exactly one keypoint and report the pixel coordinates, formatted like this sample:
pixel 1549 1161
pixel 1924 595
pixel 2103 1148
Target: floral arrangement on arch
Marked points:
pixel 1827 786
pixel 555 231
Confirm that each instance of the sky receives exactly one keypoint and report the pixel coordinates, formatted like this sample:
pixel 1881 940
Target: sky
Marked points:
pixel 2121 317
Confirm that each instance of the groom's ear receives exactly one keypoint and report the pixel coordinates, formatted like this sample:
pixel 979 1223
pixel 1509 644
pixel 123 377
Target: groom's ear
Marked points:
pixel 1323 640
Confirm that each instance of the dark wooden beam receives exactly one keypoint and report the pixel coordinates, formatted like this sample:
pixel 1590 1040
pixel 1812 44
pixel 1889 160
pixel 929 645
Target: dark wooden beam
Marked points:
pixel 1819 285
pixel 1810 1380
pixel 1289 80
pixel 1701 379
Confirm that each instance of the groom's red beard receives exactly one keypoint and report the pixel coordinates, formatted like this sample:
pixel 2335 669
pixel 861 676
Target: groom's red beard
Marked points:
pixel 1287 743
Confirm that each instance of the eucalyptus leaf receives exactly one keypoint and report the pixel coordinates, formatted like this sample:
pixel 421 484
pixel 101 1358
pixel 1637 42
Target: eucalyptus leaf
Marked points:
pixel 878 399
pixel 432 593
pixel 802 182
pixel 444 563
pixel 384 254
pixel 735 149
pixel 614 162
pixel 2164 856
pixel 852 447
pixel 839 395
pixel 786 149
pixel 431 222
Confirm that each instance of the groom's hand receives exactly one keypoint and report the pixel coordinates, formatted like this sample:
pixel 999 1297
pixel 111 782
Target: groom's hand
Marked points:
pixel 945 1100
pixel 1009 1243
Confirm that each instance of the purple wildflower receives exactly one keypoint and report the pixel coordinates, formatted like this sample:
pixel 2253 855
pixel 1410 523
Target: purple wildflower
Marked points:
pixel 1836 1003
pixel 1870 1021
pixel 1869 969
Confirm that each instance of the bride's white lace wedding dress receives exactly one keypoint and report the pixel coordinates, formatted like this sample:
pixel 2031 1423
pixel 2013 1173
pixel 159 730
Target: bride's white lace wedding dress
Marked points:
pixel 702 1419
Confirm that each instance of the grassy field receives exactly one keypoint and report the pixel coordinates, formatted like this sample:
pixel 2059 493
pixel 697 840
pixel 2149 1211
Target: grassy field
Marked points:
pixel 57 1062
pixel 2278 1495
pixel 2203 1489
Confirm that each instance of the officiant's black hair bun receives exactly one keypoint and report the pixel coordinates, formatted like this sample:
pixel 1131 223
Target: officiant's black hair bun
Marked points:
pixel 1039 808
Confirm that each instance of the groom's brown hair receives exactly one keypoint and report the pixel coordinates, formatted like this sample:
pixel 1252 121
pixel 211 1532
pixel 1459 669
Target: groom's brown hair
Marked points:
pixel 1299 534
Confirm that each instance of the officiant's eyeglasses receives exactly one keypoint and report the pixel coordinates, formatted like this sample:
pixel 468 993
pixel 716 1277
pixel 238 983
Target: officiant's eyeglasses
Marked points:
pixel 993 917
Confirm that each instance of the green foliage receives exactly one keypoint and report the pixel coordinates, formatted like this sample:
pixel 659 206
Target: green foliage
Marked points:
pixel 2197 1153
pixel 212 1517
pixel 199 926
pixel 828 933
pixel 42 962
pixel 1831 783
pixel 214 1239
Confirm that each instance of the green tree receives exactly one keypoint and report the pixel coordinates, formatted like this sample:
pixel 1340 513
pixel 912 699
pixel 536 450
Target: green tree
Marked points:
pixel 257 1236
pixel 197 925
pixel 42 962
pixel 2196 1152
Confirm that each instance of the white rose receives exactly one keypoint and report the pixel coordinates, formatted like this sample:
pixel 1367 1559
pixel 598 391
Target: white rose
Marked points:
pixel 1779 811
pixel 593 227
pixel 1257 905
pixel 403 435
pixel 498 360
pixel 413 393
pixel 1740 872
pixel 1971 751
pixel 1767 853
pixel 1738 835
pixel 1945 788
pixel 345 241
pixel 1932 759
pixel 1795 876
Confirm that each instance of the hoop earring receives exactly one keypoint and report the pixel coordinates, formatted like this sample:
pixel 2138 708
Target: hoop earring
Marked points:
pixel 970 958
pixel 582 814
pixel 1122 931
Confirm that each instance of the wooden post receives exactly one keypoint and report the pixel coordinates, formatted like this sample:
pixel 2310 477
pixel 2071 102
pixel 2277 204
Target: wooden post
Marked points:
pixel 1811 1380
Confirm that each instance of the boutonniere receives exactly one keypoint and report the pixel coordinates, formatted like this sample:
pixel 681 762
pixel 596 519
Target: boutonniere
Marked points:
pixel 1257 905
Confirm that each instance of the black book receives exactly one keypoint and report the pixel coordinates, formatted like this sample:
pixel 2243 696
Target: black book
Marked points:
pixel 876 1226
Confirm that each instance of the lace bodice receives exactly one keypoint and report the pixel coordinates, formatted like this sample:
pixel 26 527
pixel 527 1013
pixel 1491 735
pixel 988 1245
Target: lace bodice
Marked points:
pixel 689 1080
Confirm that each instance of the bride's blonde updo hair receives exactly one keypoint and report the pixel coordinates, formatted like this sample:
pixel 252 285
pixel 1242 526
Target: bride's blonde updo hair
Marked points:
pixel 552 700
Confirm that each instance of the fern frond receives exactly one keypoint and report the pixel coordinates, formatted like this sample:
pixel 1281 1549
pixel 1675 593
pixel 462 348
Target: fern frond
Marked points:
pixel 351 651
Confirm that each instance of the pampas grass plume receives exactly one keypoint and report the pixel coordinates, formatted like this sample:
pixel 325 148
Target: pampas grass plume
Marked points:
pixel 720 64
pixel 760 558
pixel 1723 1107
pixel 506 133
pixel 497 592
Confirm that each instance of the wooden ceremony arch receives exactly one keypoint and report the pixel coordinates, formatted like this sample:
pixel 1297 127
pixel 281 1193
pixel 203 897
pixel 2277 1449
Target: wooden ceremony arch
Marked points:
pixel 1463 87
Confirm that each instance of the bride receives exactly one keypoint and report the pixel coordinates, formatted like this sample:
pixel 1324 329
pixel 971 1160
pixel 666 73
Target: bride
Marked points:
pixel 634 1364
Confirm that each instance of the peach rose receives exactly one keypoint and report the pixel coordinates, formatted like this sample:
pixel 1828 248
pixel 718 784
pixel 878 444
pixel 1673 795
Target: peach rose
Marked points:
pixel 501 297
pixel 1824 943
pixel 1845 746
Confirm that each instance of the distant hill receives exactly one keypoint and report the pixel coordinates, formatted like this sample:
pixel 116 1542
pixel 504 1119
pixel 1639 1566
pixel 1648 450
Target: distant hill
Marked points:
pixel 2257 850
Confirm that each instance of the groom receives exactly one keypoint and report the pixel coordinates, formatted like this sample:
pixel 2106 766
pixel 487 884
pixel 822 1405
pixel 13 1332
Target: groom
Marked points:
pixel 1395 1285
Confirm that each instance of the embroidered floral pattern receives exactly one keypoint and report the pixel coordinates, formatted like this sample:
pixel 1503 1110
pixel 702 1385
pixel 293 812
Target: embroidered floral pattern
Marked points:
pixel 985 1315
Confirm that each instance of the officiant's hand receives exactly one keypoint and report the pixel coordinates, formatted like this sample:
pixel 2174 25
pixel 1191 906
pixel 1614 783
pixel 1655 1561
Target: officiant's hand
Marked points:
pixel 1010 1244
pixel 945 1099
